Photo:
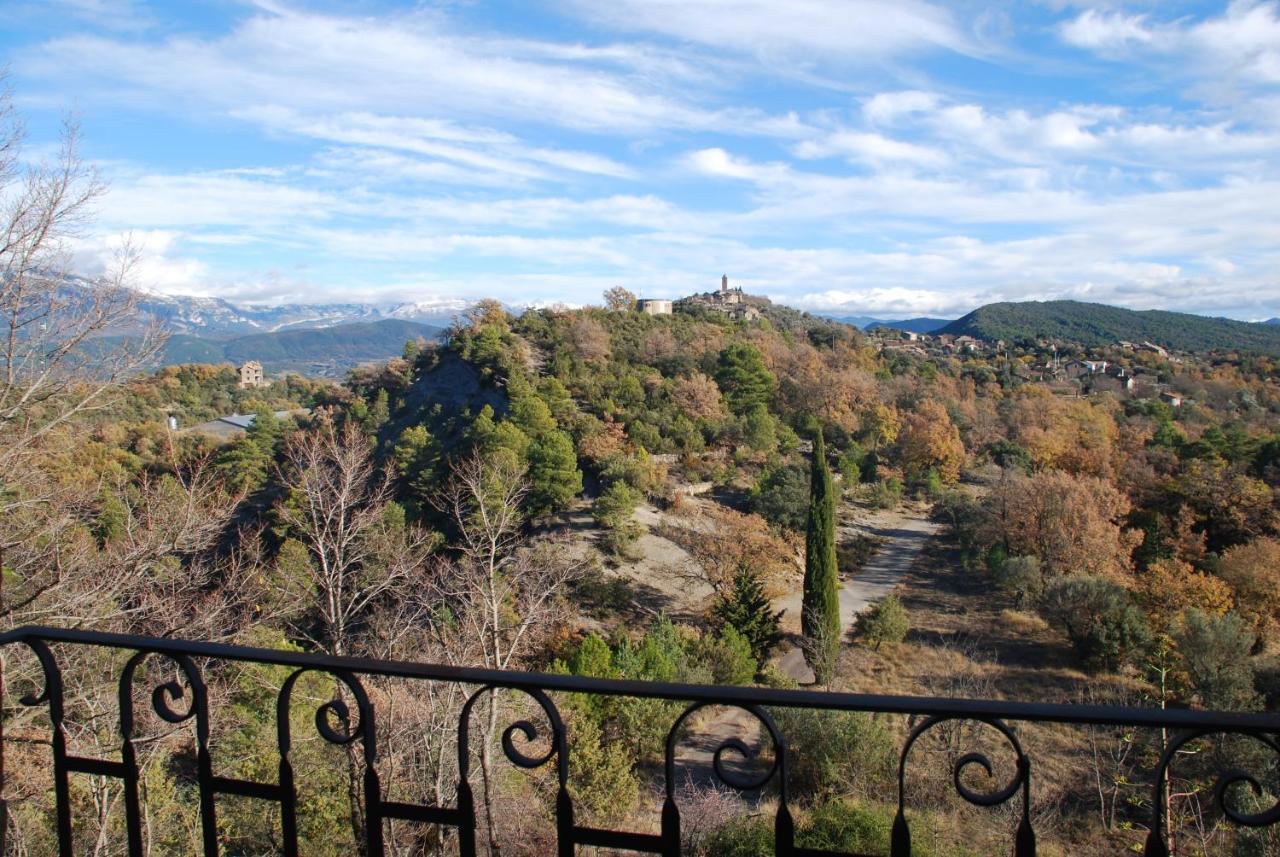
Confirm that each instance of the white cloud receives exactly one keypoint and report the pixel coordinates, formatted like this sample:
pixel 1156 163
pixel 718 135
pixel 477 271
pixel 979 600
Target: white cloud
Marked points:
pixel 392 66
pixel 846 32
pixel 1222 54
pixel 1106 31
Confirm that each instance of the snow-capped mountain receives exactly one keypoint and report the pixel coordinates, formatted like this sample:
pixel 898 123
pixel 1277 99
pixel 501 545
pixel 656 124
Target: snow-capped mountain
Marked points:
pixel 216 317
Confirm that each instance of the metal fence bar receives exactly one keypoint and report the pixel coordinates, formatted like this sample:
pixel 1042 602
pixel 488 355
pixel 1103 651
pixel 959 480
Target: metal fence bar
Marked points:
pixel 184 699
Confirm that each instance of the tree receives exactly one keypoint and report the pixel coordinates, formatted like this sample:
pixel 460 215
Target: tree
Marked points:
pixel 618 299
pixel 590 340
pixel 782 495
pixel 498 589
pixel 1253 571
pixel 929 441
pixel 744 378
pixel 554 477
pixel 54 363
pixel 613 510
pixel 699 398
pixel 820 607
pixel 882 623
pixel 1169 586
pixel 1072 524
pixel 747 609
pixel 339 506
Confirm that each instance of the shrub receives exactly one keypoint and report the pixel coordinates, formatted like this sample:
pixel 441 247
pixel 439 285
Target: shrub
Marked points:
pixel 781 496
pixel 728 656
pixel 886 494
pixel 1105 628
pixel 846 827
pixel 885 622
pixel 821 762
pixel 1020 577
pixel 742 837
pixel 1215 650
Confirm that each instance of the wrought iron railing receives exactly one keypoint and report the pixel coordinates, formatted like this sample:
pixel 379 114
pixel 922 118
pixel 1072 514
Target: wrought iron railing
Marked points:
pixel 184 700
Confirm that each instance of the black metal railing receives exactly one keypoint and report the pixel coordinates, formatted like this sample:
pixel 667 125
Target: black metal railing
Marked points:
pixel 184 699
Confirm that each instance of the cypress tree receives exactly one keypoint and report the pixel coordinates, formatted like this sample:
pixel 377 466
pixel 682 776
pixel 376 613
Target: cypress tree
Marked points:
pixel 820 609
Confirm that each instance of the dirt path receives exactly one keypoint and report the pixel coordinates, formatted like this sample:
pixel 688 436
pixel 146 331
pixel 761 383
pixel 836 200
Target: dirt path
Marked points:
pixel 904 533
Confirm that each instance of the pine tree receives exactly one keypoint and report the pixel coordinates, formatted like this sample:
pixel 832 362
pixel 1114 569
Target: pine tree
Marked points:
pixel 820 610
pixel 747 609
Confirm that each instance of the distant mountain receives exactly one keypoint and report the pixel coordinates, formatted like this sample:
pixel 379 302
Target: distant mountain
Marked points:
pixel 924 324
pixel 217 318
pixel 1272 321
pixel 866 322
pixel 328 351
pixel 862 322
pixel 1099 324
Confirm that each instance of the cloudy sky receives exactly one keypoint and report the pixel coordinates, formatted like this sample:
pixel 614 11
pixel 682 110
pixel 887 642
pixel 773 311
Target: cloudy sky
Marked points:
pixel 890 157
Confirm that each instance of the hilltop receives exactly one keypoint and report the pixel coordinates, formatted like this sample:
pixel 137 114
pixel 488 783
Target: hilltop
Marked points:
pixel 1092 324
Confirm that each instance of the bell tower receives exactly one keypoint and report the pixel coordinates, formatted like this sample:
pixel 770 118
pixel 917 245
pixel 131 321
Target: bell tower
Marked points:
pixel 724 283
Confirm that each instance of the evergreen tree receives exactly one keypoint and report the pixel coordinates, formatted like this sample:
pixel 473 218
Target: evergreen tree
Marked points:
pixel 747 609
pixel 554 477
pixel 745 379
pixel 820 610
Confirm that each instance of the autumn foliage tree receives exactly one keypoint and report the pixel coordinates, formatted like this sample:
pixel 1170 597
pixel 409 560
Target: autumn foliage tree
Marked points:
pixel 930 441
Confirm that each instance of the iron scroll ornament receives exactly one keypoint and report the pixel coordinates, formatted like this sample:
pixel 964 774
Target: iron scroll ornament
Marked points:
pixel 1157 837
pixel 1024 838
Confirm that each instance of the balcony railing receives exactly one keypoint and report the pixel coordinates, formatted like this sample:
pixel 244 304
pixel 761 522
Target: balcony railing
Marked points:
pixel 184 699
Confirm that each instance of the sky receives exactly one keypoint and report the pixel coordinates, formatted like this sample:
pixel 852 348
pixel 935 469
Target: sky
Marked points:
pixel 885 157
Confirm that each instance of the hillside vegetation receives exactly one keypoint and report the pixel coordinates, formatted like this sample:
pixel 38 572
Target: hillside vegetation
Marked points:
pixel 488 490
pixel 1098 324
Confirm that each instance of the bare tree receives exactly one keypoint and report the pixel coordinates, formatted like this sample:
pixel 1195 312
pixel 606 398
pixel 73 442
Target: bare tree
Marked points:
pixel 48 374
pixel 501 589
pixel 337 505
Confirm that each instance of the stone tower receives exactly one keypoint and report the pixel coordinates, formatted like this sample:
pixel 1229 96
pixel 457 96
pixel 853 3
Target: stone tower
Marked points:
pixel 724 283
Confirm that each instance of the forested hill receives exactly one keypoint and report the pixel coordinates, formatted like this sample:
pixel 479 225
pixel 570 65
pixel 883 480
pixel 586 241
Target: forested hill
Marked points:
pixel 338 348
pixel 1099 324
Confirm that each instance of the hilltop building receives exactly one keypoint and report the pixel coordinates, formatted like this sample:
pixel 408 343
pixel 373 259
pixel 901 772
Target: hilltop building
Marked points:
pixel 731 301
pixel 251 374
pixel 654 306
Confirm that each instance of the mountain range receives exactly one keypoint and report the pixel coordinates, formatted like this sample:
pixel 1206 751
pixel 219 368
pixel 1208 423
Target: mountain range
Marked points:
pixel 219 318
pixel 318 352
pixel 329 338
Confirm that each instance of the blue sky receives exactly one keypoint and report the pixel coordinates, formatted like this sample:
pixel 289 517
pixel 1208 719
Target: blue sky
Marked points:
pixel 890 157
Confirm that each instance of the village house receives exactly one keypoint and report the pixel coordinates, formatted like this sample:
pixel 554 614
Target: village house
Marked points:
pixel 251 374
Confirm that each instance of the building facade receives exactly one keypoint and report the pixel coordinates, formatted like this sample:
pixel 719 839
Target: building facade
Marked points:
pixel 251 374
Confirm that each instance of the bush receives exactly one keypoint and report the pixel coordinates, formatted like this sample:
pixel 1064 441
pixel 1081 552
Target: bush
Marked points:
pixel 821 759
pixel 1215 650
pixel 1105 628
pixel 728 656
pixel 886 494
pixel 885 622
pixel 781 496
pixel 742 837
pixel 846 827
pixel 1019 577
